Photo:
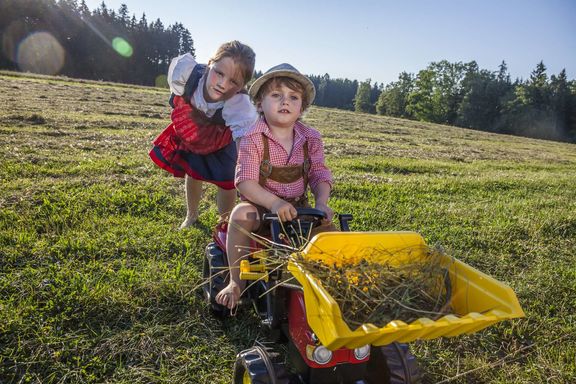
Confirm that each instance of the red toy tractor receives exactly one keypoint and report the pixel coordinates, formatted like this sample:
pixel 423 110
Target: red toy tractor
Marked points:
pixel 282 309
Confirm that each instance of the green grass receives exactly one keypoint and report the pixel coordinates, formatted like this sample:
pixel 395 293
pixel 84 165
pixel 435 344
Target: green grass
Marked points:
pixel 97 285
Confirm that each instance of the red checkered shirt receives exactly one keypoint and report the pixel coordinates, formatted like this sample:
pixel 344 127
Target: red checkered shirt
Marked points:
pixel 251 153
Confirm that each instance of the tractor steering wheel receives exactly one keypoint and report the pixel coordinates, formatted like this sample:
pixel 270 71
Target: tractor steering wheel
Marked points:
pixel 315 215
pixel 298 229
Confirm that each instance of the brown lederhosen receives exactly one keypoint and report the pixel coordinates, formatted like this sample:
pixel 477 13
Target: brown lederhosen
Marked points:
pixel 285 175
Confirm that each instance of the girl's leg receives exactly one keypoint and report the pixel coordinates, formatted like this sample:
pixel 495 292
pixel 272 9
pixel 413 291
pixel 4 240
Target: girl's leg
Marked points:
pixel 225 199
pixel 193 189
pixel 243 217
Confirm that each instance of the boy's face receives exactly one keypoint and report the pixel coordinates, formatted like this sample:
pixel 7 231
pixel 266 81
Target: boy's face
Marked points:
pixel 281 106
pixel 222 81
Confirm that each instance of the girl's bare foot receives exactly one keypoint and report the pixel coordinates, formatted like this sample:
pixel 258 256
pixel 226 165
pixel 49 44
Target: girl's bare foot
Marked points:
pixel 190 220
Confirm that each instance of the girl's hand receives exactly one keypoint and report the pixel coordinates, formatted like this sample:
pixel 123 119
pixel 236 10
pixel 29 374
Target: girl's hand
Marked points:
pixel 284 210
pixel 326 209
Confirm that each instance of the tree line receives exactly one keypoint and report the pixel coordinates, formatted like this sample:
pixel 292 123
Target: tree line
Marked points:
pixel 107 44
pixel 464 95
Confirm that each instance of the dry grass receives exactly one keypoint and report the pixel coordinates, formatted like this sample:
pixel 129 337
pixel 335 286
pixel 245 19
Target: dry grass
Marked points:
pixel 95 279
pixel 378 293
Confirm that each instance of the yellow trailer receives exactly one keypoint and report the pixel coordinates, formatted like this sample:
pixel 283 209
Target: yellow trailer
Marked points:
pixel 477 300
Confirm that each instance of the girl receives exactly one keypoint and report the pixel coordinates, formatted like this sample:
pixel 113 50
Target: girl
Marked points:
pixel 211 110
pixel 279 159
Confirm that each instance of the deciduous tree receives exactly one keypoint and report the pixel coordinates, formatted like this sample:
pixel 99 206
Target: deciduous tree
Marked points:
pixel 362 99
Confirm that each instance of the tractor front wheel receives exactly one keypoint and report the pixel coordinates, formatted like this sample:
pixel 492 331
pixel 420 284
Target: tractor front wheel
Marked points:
pixel 392 364
pixel 256 366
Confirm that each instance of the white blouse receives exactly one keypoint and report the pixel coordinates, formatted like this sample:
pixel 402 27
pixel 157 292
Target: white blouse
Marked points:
pixel 238 112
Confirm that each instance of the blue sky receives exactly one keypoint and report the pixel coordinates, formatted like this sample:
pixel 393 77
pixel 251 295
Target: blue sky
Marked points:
pixel 361 39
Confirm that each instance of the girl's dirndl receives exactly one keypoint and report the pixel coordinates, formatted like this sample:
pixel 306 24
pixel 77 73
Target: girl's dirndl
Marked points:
pixel 172 152
pixel 194 144
pixel 216 168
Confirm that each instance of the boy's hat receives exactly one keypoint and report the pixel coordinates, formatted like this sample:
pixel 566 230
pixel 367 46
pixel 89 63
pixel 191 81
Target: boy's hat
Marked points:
pixel 284 70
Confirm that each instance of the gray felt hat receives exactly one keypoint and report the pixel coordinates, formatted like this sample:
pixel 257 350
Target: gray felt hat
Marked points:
pixel 284 70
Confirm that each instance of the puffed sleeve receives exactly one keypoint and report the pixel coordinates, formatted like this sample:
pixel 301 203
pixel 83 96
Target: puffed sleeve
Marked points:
pixel 239 114
pixel 179 71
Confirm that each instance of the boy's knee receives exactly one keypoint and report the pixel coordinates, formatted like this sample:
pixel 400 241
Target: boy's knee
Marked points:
pixel 245 212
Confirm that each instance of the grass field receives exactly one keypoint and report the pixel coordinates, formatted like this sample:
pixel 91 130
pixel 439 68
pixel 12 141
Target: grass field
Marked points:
pixel 98 285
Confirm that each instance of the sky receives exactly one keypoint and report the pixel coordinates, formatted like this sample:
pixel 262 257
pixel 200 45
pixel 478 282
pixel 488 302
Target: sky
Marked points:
pixel 378 39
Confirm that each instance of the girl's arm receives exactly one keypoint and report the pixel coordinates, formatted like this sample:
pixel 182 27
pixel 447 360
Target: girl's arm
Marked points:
pixel 239 114
pixel 179 71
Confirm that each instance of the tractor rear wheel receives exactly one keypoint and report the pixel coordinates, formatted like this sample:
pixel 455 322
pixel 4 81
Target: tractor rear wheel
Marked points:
pixel 215 276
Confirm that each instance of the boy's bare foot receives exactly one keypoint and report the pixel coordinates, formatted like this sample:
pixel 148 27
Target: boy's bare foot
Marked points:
pixel 189 221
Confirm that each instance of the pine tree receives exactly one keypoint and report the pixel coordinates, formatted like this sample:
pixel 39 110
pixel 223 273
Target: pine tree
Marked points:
pixel 186 43
pixel 83 9
pixel 560 102
pixel 102 10
pixel 571 112
pixel 537 89
pixel 375 92
pixel 503 75
pixel 530 112
pixel 123 14
pixel 322 90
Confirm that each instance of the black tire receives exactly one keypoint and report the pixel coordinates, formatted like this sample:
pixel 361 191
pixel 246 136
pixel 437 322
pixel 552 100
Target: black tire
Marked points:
pixel 392 364
pixel 215 276
pixel 256 366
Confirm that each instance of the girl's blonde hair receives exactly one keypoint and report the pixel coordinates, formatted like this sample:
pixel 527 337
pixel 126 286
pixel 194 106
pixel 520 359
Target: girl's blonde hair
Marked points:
pixel 277 82
pixel 243 56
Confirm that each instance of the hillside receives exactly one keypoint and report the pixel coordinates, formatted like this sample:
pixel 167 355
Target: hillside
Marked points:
pixel 97 284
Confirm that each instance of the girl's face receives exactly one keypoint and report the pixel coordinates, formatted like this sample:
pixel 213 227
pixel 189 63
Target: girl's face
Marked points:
pixel 281 106
pixel 223 80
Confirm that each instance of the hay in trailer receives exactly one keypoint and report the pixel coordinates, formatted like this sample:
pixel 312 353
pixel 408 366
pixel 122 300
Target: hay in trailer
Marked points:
pixel 377 293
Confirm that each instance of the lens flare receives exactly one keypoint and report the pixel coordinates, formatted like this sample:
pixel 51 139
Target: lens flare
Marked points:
pixel 122 47
pixel 40 52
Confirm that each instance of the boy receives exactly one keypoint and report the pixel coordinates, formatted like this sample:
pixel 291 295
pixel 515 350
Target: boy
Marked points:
pixel 277 160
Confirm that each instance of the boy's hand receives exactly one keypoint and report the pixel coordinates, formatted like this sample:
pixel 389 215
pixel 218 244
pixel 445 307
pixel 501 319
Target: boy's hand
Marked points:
pixel 326 209
pixel 284 210
pixel 229 296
